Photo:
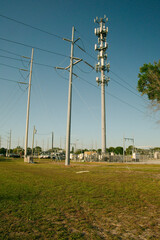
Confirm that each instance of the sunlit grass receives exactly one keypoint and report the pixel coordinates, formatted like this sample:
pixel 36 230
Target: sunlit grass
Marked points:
pixel 47 200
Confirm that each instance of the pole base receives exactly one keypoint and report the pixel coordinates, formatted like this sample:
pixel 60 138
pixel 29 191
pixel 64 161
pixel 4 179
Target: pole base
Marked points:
pixel 28 159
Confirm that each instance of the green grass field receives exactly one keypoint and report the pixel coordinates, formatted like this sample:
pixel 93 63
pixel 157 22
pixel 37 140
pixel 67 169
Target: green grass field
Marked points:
pixel 48 200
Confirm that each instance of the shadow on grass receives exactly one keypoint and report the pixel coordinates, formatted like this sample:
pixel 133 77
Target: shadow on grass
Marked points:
pixel 3 159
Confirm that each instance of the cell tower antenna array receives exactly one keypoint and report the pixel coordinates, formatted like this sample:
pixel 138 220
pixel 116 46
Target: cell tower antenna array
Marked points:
pixel 102 66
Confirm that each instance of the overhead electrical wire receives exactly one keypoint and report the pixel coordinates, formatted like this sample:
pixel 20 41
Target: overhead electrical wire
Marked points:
pixel 12 58
pixel 52 52
pixel 123 80
pixel 11 109
pixel 37 63
pixel 66 78
pixel 96 86
pixel 112 95
pixel 10 52
pixel 30 46
pixel 81 78
pixel 10 80
pixel 110 70
pixel 55 35
pixel 28 25
pixel 17 59
pixel 6 65
pixel 40 92
pixel 125 87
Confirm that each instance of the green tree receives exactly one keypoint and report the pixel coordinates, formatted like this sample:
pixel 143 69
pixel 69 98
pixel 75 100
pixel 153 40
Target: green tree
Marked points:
pixel 129 150
pixel 78 151
pixel 99 151
pixel 149 83
pixel 111 149
pixel 18 149
pixel 3 151
pixel 119 150
pixel 37 149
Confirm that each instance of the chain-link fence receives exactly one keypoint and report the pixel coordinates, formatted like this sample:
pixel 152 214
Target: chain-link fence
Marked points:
pixel 115 158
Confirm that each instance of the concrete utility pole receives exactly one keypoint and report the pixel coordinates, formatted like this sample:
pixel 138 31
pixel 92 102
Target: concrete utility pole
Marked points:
pixel 10 141
pixel 68 134
pixel 34 132
pixel 28 107
pixel 52 140
pixel 102 66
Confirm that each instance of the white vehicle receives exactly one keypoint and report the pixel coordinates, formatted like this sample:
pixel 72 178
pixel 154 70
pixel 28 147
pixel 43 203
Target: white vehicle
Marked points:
pixel 44 155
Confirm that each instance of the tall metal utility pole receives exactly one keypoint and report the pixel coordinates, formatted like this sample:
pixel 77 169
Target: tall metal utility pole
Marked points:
pixel 68 134
pixel 34 132
pixel 10 133
pixel 101 67
pixel 28 107
pixel 52 139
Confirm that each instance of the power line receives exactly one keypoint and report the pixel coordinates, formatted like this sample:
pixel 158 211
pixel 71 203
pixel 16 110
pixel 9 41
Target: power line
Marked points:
pixel 55 35
pixel 124 102
pixel 112 95
pixel 50 66
pixel 10 80
pixel 6 65
pixel 85 71
pixel 125 88
pixel 27 45
pixel 53 67
pixel 11 109
pixel 123 80
pixel 17 59
pixel 41 64
pixel 116 80
pixel 10 52
pixel 110 70
pixel 27 25
pixel 90 55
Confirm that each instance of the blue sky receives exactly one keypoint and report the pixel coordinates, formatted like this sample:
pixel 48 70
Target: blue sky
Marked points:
pixel 133 40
